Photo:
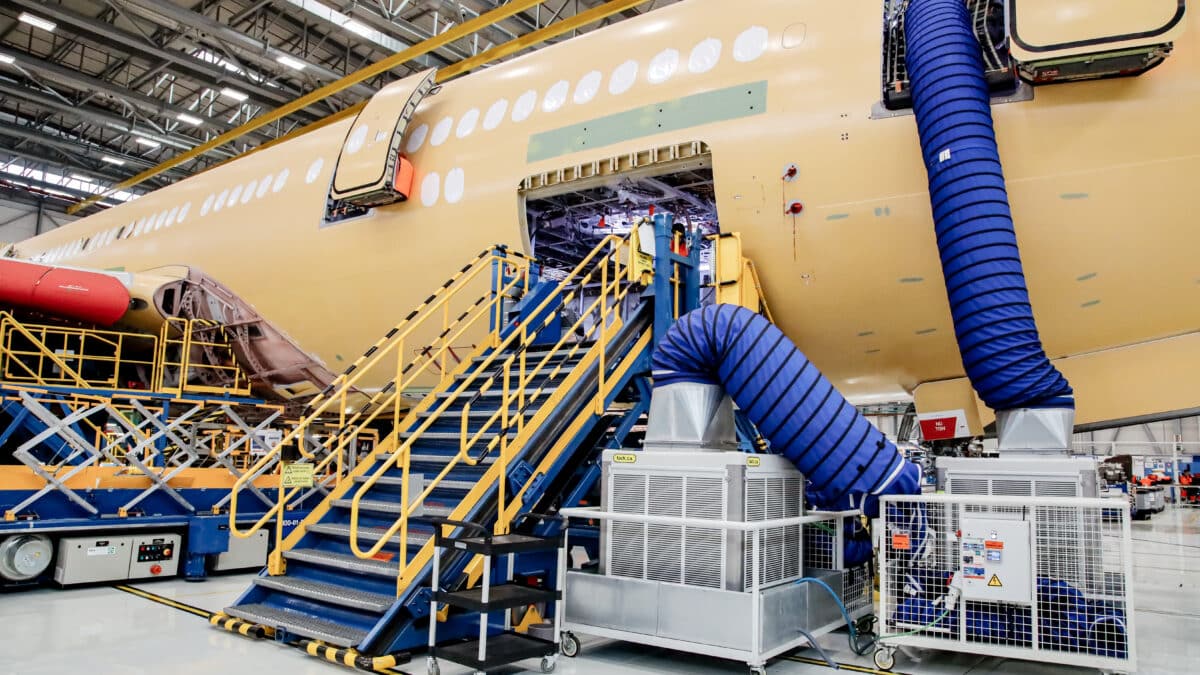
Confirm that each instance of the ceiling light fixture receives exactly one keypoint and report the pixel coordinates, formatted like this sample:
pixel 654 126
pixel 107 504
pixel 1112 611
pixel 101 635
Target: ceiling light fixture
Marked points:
pixel 288 61
pixel 188 119
pixel 358 28
pixel 37 21
pixel 5 58
pixel 234 94
pixel 148 142
pixel 112 160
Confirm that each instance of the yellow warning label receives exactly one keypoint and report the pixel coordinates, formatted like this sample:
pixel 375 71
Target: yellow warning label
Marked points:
pixel 995 581
pixel 296 475
pixel 625 458
pixel 753 461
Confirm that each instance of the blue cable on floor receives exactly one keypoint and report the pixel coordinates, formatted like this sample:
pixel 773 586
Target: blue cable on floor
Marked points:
pixel 854 646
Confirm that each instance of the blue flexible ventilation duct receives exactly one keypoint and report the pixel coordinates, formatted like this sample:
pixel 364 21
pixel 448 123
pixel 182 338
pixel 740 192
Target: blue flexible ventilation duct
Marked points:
pixel 997 337
pixel 848 461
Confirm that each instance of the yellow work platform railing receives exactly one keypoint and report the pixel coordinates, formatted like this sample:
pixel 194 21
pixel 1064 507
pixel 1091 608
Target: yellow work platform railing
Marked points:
pixel 64 356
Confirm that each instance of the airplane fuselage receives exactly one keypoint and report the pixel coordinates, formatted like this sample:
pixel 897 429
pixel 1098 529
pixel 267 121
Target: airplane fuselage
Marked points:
pixel 1099 175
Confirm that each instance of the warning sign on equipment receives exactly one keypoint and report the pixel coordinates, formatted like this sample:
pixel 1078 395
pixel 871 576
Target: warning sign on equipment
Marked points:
pixel 995 581
pixel 297 475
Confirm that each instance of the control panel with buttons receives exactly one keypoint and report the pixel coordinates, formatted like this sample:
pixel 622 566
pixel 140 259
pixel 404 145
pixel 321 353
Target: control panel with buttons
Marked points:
pixel 155 552
pixel 154 555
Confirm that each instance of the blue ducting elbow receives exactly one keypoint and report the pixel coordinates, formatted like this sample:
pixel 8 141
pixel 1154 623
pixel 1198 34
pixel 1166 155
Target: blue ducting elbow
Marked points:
pixel 848 462
pixel 993 319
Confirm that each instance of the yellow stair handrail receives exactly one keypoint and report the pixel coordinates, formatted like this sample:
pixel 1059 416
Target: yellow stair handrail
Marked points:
pixel 744 272
pixel 605 308
pixel 487 306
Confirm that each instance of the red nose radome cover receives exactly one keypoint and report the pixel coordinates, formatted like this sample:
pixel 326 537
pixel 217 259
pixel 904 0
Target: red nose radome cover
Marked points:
pixel 68 293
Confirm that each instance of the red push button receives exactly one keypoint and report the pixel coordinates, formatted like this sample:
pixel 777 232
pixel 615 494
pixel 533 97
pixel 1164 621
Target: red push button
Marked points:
pixel 156 569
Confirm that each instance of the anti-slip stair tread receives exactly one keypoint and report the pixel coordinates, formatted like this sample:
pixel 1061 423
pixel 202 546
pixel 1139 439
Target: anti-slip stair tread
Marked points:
pixel 429 509
pixel 541 350
pixel 333 594
pixel 398 481
pixel 299 623
pixel 457 414
pixel 445 459
pixel 382 480
pixel 367 535
pixel 457 435
pixel 350 563
pixel 563 368
pixel 492 393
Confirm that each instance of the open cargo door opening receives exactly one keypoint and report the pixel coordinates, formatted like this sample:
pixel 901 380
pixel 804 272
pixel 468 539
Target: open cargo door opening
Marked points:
pixel 568 212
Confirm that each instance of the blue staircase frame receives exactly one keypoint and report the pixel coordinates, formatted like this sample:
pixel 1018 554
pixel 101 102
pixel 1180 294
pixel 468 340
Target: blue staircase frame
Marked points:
pixel 321 562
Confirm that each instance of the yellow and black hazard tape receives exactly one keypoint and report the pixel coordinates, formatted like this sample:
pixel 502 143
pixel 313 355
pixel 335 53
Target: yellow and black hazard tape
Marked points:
pixel 183 607
pixel 244 628
pixel 351 658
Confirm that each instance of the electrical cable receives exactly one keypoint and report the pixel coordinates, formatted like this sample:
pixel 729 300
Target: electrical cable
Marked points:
pixel 855 646
pixel 853 637
pixel 931 624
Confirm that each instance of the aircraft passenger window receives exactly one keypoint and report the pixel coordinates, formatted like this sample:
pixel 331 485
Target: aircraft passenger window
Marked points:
pixel 989 18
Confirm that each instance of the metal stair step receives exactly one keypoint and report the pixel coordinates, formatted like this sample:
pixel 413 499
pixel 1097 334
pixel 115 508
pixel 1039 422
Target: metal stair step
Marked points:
pixel 493 393
pixel 541 350
pixel 392 507
pixel 457 414
pixel 349 563
pixel 454 435
pixel 445 459
pixel 299 623
pixel 333 594
pixel 564 366
pixel 367 535
pixel 397 481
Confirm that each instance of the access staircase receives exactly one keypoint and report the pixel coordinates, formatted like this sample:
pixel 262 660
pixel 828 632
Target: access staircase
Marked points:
pixel 513 419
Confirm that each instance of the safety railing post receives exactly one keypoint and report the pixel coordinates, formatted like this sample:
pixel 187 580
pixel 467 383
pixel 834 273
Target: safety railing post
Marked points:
pixel 275 564
pixel 603 341
pixel 521 389
pixel 186 357
pixel 406 508
pixel 500 526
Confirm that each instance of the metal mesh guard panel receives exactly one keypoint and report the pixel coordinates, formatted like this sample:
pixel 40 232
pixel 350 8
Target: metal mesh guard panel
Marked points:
pixel 1078 610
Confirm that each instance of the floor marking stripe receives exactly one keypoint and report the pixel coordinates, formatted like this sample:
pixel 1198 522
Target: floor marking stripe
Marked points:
pixel 843 666
pixel 203 613
pixel 152 597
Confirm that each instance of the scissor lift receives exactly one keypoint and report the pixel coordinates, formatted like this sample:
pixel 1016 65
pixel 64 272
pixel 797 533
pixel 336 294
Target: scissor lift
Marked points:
pixel 89 450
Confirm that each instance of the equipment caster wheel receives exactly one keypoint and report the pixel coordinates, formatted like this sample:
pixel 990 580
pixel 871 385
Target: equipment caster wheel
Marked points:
pixel 569 644
pixel 432 668
pixel 885 658
pixel 758 670
pixel 549 663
